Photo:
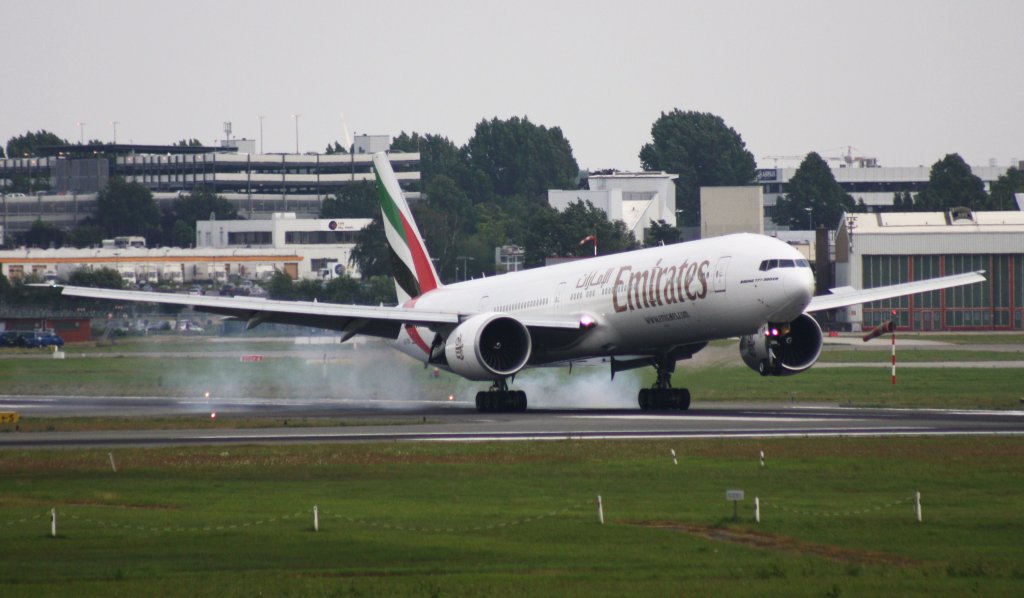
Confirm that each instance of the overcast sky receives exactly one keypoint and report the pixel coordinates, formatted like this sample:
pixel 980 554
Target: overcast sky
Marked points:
pixel 904 81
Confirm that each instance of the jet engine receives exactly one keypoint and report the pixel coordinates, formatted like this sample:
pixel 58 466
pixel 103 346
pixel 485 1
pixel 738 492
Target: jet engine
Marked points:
pixel 783 349
pixel 488 346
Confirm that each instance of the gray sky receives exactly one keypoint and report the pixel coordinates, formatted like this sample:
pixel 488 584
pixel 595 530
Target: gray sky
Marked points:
pixel 904 81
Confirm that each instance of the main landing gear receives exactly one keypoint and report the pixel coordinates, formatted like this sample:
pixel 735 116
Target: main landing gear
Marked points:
pixel 499 399
pixel 662 396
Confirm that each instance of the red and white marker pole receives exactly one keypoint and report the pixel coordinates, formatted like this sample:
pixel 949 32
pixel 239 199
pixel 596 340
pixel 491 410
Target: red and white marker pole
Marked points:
pixel 881 329
pixel 894 347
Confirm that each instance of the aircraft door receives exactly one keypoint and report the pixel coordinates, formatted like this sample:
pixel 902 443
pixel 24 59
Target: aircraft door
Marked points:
pixel 559 292
pixel 720 270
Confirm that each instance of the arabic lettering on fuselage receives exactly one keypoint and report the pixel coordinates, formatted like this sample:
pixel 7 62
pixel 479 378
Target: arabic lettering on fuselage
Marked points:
pixel 651 287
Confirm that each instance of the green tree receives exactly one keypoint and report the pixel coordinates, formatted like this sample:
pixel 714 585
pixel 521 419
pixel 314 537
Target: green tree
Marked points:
pixel 703 151
pixel 902 201
pixel 1004 189
pixel 517 157
pixel 190 209
pixel 200 203
pixel 438 156
pixel 446 219
pixel 193 142
pixel 43 235
pixel 337 148
pixel 813 186
pixel 353 201
pixel 127 209
pixel 952 184
pixel 29 143
pixel 182 235
pixel 280 286
pixel 85 235
pixel 662 233
pixel 104 278
pixel 553 233
pixel 371 255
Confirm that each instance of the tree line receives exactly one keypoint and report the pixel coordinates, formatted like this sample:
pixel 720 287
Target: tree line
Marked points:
pixel 492 191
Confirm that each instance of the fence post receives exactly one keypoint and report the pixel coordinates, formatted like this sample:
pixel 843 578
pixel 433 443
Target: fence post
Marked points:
pixel 53 522
pixel 917 506
pixel 757 510
pixel 600 510
pixel 316 518
pixel 112 465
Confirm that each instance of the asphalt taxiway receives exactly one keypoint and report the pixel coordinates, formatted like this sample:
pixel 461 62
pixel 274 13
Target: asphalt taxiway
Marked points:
pixel 367 421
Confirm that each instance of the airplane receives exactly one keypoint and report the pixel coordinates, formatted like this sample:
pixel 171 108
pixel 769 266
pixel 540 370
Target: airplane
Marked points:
pixel 644 308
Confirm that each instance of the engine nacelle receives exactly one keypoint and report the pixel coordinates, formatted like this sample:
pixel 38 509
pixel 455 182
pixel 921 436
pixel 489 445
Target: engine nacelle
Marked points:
pixel 783 349
pixel 488 347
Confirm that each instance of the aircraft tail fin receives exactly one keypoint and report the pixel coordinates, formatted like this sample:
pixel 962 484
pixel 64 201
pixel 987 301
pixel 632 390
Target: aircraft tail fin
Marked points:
pixel 413 270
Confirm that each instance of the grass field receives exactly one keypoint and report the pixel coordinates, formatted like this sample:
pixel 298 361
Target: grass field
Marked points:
pixel 384 374
pixel 518 519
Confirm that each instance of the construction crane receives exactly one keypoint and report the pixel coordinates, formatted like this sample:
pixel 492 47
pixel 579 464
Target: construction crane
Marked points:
pixel 847 160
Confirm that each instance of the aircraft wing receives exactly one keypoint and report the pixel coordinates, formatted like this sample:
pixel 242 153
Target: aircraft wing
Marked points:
pixel 349 319
pixel 845 296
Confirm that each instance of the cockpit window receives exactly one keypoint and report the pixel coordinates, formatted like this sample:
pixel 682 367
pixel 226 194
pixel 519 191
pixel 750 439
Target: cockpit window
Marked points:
pixel 772 264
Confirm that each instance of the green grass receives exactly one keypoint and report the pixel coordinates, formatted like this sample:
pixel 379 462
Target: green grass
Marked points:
pixel 198 421
pixel 362 374
pixel 966 338
pixel 916 355
pixel 959 388
pixel 386 374
pixel 518 519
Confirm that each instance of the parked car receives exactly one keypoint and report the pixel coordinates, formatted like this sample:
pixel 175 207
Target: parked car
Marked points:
pixel 34 339
pixel 49 338
pixel 9 338
pixel 30 339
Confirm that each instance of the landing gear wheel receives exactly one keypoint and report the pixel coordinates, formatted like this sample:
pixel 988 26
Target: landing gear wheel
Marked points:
pixel 664 399
pixel 501 400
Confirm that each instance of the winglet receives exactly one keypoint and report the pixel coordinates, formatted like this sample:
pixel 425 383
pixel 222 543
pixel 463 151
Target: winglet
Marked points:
pixel 413 270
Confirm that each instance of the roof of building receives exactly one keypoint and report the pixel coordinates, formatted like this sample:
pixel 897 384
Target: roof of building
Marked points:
pixel 127 148
pixel 132 255
pixel 959 220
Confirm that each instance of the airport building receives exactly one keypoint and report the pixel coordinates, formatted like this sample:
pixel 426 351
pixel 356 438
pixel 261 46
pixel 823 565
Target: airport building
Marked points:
pixel 887 248
pixel 226 250
pixel 258 185
pixel 325 244
pixel 873 185
pixel 636 198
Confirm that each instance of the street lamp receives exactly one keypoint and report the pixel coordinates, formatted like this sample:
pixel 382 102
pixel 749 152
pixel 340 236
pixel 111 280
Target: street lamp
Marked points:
pixel 810 216
pixel 465 270
pixel 114 122
pixel 261 132
pixel 296 117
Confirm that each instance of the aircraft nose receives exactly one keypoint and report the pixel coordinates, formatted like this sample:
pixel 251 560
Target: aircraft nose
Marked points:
pixel 798 285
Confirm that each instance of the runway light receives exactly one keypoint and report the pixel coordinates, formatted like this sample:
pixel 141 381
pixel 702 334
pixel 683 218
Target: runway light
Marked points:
pixel 451 397
pixel 206 395
pixel 213 415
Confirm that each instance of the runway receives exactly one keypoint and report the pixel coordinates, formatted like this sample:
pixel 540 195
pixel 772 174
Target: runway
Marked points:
pixel 365 421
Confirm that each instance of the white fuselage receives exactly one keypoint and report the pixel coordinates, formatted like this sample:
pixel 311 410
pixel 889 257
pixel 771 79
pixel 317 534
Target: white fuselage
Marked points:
pixel 642 302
